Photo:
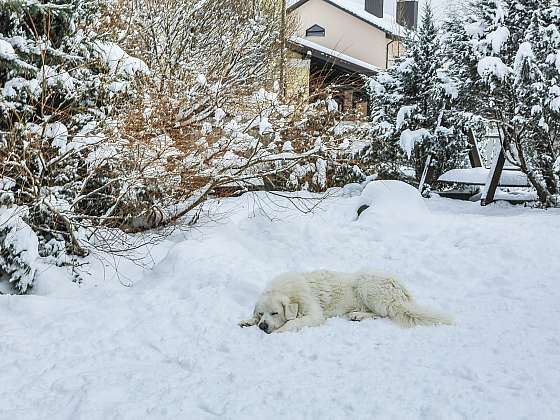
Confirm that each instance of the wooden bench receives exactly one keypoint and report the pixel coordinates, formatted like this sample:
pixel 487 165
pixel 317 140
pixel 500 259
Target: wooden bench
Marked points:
pixel 479 176
pixel 499 175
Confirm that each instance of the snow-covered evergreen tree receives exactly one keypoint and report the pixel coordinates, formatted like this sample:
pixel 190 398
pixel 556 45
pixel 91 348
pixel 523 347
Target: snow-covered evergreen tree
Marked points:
pixel 57 81
pixel 461 66
pixel 536 87
pixel 18 251
pixel 411 104
pixel 511 81
pixel 48 55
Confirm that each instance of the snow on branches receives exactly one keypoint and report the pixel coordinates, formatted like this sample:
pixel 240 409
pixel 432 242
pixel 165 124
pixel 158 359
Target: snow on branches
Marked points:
pixel 508 74
pixel 56 103
pixel 413 115
pixel 18 250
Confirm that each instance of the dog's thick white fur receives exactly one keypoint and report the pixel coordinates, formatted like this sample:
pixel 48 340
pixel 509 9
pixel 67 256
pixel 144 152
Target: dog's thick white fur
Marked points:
pixel 297 300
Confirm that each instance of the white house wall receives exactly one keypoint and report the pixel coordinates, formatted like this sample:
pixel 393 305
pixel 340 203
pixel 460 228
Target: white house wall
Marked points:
pixel 343 32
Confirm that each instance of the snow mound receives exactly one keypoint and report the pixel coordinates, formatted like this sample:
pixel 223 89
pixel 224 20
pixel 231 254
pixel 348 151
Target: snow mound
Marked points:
pixel 352 190
pixel 393 199
pixel 169 346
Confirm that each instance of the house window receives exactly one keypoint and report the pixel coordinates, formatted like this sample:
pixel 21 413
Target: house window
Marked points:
pixel 315 30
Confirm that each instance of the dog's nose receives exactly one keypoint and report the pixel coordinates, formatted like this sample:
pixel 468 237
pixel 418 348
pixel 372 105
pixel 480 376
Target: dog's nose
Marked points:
pixel 263 326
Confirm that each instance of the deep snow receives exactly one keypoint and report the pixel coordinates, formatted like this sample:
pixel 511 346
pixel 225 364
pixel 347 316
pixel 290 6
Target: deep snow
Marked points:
pixel 169 347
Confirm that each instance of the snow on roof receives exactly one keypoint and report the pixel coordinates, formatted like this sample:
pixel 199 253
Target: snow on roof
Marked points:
pixel 333 53
pixel 357 8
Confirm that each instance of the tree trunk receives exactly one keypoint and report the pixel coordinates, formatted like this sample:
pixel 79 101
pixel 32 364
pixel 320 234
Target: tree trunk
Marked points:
pixel 283 49
pixel 544 194
pixel 545 159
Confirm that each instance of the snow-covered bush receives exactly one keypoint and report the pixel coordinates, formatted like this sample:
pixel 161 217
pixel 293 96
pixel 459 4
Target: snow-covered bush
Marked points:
pixel 132 130
pixel 204 54
pixel 18 250
pixel 213 95
pixel 270 145
pixel 60 87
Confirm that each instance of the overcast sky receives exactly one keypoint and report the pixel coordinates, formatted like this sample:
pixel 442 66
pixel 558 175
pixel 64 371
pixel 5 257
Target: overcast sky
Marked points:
pixel 440 6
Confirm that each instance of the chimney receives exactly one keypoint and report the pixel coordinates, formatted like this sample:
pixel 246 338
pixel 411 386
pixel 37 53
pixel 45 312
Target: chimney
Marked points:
pixel 375 7
pixel 407 13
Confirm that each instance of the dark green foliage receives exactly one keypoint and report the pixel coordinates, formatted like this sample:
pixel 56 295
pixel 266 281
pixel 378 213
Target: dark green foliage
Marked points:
pixel 415 100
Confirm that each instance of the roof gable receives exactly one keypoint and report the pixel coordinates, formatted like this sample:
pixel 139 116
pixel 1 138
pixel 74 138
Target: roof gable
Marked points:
pixel 316 28
pixel 388 26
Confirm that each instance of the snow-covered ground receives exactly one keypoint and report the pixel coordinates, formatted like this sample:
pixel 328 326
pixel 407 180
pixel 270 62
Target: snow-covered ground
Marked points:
pixel 168 346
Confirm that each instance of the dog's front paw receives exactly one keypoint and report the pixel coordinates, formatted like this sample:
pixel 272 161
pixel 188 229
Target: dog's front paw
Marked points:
pixel 246 323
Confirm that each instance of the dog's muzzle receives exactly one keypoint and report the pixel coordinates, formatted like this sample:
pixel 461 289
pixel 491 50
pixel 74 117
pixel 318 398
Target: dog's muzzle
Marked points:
pixel 264 326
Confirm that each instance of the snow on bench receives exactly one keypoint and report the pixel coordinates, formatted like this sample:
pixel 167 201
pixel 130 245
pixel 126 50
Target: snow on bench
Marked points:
pixel 479 176
pixel 511 196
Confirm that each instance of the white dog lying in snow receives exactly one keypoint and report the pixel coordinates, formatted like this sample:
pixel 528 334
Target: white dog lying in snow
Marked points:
pixel 297 300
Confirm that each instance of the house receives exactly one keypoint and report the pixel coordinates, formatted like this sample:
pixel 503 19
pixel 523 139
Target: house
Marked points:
pixel 337 41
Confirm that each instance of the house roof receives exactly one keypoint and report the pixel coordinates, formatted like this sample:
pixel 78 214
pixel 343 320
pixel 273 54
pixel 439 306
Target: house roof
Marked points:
pixel 356 8
pixel 331 56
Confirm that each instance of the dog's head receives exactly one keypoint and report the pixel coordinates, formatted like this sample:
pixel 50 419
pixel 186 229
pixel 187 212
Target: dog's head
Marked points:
pixel 273 310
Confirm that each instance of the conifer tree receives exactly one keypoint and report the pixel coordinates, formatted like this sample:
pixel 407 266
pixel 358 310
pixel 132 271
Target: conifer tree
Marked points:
pixel 411 104
pixel 57 81
pixel 507 57
pixel 537 78
pixel 18 251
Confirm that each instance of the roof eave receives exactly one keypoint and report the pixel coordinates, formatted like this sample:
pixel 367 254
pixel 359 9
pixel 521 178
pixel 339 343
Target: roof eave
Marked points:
pixel 332 59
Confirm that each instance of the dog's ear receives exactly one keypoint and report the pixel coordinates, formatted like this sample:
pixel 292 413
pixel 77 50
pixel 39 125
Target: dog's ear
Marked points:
pixel 290 310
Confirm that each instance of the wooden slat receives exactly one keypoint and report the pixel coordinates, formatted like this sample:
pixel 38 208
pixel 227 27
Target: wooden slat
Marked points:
pixel 474 152
pixel 494 178
pixel 426 173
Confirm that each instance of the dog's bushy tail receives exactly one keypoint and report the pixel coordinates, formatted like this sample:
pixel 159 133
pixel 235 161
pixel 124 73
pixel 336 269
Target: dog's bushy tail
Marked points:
pixel 409 314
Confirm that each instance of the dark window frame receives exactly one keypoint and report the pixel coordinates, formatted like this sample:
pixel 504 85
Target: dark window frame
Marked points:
pixel 315 30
